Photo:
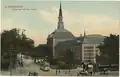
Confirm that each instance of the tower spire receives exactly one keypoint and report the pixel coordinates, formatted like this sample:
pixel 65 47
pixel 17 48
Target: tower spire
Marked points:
pixel 60 18
pixel 60 10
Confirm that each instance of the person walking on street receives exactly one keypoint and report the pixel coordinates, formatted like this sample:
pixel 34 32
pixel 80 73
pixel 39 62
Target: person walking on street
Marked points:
pixel 59 70
pixel 83 64
pixel 69 70
pixel 56 71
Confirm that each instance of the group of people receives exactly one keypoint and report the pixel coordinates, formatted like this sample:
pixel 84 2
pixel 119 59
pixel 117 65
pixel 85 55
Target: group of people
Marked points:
pixel 87 69
pixel 57 71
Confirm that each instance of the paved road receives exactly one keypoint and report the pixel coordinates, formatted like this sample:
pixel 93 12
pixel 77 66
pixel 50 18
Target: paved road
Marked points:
pixel 35 68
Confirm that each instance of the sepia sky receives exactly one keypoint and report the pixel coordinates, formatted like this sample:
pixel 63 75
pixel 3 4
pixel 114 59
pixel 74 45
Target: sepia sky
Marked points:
pixel 95 17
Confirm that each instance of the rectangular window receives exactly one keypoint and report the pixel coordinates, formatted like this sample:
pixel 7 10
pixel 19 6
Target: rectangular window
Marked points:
pixel 88 47
pixel 89 54
pixel 88 50
pixel 89 57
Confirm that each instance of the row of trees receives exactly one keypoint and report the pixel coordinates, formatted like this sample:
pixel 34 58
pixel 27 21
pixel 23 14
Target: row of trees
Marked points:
pixel 109 50
pixel 15 41
pixel 42 51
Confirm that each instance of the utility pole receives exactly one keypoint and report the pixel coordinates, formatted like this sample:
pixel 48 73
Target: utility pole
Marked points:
pixel 20 62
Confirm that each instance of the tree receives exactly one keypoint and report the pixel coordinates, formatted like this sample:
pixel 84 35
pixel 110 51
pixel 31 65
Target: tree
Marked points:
pixel 69 57
pixel 109 50
pixel 19 42
pixel 42 51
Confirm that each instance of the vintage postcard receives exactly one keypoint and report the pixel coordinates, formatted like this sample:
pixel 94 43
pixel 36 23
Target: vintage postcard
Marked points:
pixel 60 38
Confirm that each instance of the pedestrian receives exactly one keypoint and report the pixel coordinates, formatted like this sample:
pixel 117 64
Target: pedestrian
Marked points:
pixel 29 74
pixel 69 70
pixel 94 68
pixel 105 71
pixel 36 74
pixel 56 71
pixel 59 70
pixel 84 67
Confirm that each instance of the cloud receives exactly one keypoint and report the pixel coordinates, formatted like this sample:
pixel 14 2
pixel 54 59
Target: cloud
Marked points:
pixel 32 32
pixel 76 22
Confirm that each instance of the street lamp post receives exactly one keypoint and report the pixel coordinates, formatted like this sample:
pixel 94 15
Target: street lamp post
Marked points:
pixel 79 42
pixel 11 61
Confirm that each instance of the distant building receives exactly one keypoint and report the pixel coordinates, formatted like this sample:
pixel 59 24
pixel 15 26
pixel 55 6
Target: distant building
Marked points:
pixel 89 46
pixel 84 47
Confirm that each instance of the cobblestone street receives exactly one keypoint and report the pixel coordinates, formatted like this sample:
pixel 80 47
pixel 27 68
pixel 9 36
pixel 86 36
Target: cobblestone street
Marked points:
pixel 35 68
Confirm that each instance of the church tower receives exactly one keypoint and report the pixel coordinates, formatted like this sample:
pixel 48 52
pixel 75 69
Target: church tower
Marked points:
pixel 59 35
pixel 60 19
